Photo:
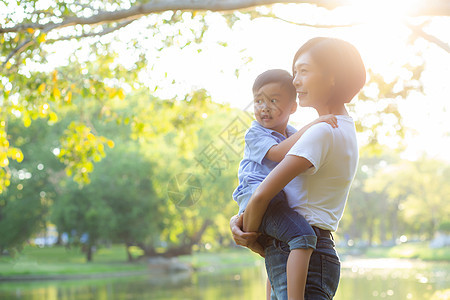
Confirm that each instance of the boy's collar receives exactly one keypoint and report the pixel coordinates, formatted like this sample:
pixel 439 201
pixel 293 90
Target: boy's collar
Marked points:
pixel 289 129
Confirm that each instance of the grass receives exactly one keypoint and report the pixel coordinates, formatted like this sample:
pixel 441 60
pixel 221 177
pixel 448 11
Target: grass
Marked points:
pixel 58 260
pixel 222 259
pixel 410 250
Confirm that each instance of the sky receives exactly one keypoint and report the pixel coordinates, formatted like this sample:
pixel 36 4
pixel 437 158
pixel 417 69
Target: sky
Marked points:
pixel 253 46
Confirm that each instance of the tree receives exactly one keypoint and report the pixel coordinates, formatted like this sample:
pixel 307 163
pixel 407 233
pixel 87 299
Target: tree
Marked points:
pixel 84 216
pixel 212 167
pixel 391 197
pixel 25 206
pixel 95 105
pixel 30 30
pixel 426 206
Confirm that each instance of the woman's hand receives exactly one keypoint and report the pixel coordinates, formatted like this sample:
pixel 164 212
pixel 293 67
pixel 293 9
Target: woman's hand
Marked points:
pixel 246 239
pixel 240 237
pixel 330 119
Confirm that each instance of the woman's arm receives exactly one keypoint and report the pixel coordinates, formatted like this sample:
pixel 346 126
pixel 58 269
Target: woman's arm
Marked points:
pixel 277 179
pixel 241 238
pixel 279 151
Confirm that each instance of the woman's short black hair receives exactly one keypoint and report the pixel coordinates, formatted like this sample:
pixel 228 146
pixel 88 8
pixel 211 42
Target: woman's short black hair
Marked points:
pixel 339 59
pixel 275 76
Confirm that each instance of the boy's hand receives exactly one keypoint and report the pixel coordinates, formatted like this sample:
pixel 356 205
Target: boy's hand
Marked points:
pixel 330 119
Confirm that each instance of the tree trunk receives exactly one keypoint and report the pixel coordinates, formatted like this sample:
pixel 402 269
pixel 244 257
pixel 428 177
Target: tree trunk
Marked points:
pixel 383 225
pixel 89 253
pixel 370 231
pixel 148 250
pixel 196 238
pixel 177 251
pixel 186 249
pixel 59 239
pixel 394 221
pixel 130 257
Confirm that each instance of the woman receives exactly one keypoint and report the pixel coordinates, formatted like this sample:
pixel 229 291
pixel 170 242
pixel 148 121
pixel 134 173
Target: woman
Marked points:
pixel 327 74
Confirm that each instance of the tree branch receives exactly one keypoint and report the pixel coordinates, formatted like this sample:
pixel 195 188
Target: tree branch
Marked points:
pixel 126 16
pixel 18 49
pixel 30 41
pixel 418 31
pixel 310 25
pixel 84 5
pixel 91 34
pixel 430 7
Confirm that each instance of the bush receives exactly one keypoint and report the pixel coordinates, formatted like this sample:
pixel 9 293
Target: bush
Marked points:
pixel 444 227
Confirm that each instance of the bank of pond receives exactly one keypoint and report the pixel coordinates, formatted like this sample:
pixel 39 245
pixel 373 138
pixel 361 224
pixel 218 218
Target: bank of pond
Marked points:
pixel 230 274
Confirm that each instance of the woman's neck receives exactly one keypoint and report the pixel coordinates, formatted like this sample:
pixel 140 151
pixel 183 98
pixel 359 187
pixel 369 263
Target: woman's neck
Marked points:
pixel 335 110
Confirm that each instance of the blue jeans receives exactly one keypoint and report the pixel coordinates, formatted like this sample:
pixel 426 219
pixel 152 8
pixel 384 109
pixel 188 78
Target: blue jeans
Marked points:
pixel 283 223
pixel 323 272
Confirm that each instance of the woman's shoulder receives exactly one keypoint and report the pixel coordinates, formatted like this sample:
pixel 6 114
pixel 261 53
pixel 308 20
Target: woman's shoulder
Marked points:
pixel 319 129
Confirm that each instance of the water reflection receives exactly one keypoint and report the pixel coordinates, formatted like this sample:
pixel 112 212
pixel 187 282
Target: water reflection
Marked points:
pixel 394 279
pixel 418 282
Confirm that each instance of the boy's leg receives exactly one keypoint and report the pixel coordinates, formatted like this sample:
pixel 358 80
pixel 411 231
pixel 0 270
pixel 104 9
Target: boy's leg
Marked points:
pixel 297 271
pixel 268 289
pixel 281 222
pixel 286 225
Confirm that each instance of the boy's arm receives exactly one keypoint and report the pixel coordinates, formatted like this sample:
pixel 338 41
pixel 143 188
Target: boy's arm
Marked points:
pixel 277 179
pixel 277 152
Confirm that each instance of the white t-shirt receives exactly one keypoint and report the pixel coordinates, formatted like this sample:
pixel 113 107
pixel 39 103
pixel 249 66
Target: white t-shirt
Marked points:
pixel 323 188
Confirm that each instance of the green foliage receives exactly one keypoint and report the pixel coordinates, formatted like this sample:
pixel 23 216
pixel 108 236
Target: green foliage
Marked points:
pixel 24 206
pixel 20 211
pixel 79 149
pixel 391 197
pixel 33 88
pixel 67 119
pixel 444 226
pixel 127 199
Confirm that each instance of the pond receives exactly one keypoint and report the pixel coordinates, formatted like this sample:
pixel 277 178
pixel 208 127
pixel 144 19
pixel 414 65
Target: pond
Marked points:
pixel 361 279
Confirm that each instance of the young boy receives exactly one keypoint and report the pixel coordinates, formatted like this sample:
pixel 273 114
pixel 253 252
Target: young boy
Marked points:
pixel 267 141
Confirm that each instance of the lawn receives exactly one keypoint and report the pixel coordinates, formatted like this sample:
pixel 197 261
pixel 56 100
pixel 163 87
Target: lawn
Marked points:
pixel 59 260
pixel 225 258
pixel 410 250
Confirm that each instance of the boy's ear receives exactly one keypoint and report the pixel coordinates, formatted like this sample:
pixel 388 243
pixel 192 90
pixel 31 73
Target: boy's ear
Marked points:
pixel 294 107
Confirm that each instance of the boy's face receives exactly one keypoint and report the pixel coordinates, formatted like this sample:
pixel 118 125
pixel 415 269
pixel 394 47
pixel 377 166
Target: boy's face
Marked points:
pixel 273 105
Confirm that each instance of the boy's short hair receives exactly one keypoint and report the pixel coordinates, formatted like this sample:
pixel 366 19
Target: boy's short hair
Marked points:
pixel 340 59
pixel 275 76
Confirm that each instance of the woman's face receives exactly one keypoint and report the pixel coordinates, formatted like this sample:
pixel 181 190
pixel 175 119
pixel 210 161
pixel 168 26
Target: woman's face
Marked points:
pixel 312 85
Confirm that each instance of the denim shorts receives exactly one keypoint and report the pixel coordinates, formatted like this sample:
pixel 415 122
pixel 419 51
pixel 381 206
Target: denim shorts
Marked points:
pixel 284 224
pixel 323 271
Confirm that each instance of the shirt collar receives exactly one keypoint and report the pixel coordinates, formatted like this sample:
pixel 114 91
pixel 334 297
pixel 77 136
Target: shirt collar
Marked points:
pixel 289 130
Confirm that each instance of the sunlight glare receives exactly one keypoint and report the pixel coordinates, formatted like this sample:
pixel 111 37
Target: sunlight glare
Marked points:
pixel 388 9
